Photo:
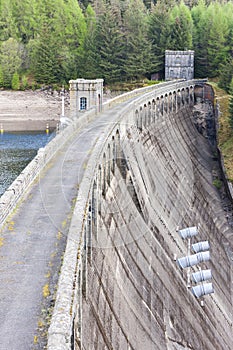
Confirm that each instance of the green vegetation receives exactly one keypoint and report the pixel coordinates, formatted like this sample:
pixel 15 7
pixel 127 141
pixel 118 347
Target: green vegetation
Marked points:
pixel 217 183
pixel 53 41
pixel 24 83
pixel 1 78
pixel 225 133
pixel 15 81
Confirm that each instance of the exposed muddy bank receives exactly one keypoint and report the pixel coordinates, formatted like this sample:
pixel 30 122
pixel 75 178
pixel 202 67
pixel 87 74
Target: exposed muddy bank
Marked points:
pixel 30 110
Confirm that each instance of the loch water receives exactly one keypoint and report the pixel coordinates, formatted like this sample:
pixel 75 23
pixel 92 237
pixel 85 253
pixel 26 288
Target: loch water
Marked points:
pixel 17 149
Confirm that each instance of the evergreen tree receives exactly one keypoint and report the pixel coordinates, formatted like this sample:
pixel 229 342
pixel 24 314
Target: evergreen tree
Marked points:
pixel 159 35
pixel 99 6
pixel 210 39
pixel 46 59
pixel 88 63
pixel 116 39
pixel 72 41
pixel 25 19
pixel 7 21
pixel 181 28
pixel 15 81
pixel 217 38
pixel 109 44
pixel 61 39
pixel 24 83
pixel 10 59
pixel 200 38
pixel 1 78
pixel 226 74
pixel 228 14
pixel 138 46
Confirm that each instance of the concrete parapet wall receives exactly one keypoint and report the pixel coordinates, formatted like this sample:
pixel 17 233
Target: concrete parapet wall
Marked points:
pixel 120 286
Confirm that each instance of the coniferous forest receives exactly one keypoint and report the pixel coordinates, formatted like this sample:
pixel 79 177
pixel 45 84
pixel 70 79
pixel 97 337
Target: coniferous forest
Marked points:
pixel 53 41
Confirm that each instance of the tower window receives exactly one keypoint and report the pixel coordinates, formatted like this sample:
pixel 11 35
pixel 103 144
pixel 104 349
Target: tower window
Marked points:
pixel 177 60
pixel 83 103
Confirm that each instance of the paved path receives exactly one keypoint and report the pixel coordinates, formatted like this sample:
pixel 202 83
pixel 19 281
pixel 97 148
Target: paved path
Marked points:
pixel 30 241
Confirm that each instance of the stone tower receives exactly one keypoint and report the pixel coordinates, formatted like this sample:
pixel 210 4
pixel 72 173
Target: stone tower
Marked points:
pixel 85 94
pixel 179 65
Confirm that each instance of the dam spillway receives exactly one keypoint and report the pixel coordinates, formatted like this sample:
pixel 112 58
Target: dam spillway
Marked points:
pixel 150 172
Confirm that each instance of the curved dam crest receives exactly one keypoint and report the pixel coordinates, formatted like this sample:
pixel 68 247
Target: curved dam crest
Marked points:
pixel 150 172
pixel 138 170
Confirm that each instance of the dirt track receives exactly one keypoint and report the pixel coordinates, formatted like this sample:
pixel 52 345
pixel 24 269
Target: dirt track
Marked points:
pixel 29 110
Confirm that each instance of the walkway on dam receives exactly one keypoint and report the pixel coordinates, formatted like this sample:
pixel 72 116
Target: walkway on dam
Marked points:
pixel 33 240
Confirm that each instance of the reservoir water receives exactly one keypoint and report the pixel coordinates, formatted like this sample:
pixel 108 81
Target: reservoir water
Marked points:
pixel 16 151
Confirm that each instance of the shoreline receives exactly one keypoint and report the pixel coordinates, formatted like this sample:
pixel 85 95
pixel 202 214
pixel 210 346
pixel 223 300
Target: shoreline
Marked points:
pixel 27 125
pixel 30 110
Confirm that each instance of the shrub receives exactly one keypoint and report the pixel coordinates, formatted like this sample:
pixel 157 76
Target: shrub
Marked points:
pixel 1 78
pixel 24 83
pixel 15 81
pixel 217 183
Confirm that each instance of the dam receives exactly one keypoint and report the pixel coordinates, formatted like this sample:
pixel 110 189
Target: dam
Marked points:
pixel 147 172
pixel 150 172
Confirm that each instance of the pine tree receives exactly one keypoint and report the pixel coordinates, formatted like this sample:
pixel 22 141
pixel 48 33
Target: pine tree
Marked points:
pixel 25 17
pixel 72 41
pixel 109 44
pixel 55 51
pixel 15 81
pixel 138 46
pixel 210 38
pixel 88 63
pixel 200 38
pixel 119 40
pixel 226 74
pixel 217 38
pixel 1 78
pixel 45 58
pixel 181 27
pixel 7 21
pixel 24 83
pixel 159 35
pixel 10 59
pixel 228 14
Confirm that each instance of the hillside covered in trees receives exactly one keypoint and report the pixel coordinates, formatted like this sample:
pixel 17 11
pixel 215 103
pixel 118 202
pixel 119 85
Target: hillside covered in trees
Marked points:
pixel 52 41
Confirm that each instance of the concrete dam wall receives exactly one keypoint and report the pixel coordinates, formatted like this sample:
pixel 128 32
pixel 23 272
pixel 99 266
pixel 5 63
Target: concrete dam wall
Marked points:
pixel 150 173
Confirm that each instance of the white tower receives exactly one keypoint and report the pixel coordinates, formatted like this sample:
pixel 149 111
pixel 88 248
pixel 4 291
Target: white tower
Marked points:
pixel 85 94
